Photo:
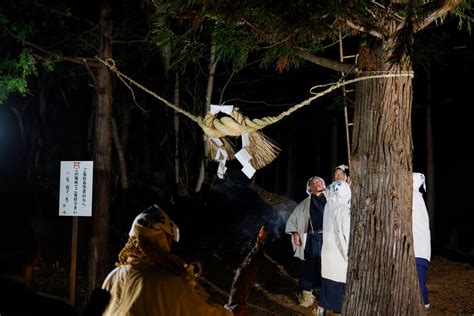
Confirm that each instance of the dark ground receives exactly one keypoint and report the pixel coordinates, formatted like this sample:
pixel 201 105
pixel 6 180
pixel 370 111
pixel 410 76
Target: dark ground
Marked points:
pixel 450 283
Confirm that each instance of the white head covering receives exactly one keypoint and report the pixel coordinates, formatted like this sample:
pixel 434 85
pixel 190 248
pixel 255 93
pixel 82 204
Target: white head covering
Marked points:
pixel 418 181
pixel 152 222
pixel 309 183
pixel 344 169
pixel 341 192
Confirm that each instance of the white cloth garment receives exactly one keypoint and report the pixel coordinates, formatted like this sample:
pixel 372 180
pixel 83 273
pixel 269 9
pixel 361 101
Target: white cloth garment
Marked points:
pixel 298 220
pixel 336 230
pixel 420 220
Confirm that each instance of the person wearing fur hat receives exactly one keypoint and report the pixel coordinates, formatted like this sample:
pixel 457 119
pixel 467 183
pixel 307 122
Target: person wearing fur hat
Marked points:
pixel 421 234
pixel 149 280
pixel 336 230
pixel 305 227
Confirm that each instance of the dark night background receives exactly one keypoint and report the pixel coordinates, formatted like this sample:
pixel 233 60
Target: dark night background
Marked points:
pixel 304 135
pixel 57 113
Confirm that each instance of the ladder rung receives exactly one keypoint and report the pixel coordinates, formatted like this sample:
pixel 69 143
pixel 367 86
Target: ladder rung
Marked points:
pixel 350 124
pixel 349 56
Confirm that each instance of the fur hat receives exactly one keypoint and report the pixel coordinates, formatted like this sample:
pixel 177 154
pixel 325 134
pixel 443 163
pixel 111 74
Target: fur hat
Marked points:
pixel 152 222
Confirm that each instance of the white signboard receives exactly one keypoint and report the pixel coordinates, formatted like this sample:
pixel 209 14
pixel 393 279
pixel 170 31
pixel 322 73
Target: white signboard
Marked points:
pixel 75 193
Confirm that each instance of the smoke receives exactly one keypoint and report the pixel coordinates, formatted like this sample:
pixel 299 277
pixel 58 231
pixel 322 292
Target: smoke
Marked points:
pixel 248 212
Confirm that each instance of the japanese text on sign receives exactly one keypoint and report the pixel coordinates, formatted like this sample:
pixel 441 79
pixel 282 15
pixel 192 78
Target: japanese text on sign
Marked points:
pixel 75 194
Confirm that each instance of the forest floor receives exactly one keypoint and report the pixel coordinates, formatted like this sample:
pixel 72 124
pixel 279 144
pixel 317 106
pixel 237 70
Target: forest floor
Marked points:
pixel 450 283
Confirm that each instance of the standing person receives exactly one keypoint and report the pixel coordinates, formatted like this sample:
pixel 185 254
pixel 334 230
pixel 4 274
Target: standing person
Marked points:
pixel 19 253
pixel 336 230
pixel 149 280
pixel 421 234
pixel 341 172
pixel 305 226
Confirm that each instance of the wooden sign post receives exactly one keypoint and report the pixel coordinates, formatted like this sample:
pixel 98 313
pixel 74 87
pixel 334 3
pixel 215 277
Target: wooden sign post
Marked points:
pixel 75 199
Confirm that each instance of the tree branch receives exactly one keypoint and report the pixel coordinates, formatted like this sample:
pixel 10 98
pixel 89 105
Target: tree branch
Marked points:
pixel 431 15
pixel 324 62
pixel 76 60
pixel 360 28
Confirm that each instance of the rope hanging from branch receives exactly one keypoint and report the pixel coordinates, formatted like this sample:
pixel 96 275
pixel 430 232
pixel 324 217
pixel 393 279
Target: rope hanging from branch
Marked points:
pixel 261 148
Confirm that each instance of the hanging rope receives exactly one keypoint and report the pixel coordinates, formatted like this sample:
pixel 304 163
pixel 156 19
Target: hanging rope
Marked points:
pixel 262 149
pixel 237 124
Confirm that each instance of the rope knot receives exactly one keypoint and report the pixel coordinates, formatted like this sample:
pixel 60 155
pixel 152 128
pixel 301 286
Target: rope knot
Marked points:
pixel 111 64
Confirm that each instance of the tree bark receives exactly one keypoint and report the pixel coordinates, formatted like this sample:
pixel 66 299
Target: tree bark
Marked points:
pixel 290 182
pixel 382 276
pixel 210 88
pixel 99 243
pixel 121 156
pixel 176 130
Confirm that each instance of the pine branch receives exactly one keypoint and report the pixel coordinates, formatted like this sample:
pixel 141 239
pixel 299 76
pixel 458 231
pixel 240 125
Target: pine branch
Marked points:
pixel 76 60
pixel 324 62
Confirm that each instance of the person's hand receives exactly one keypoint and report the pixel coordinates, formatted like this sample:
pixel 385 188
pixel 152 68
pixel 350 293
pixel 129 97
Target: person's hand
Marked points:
pixel 297 239
pixel 349 181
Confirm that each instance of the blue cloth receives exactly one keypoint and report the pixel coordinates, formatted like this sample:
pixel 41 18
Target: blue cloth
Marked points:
pixel 332 295
pixel 310 274
pixel 421 268
pixel 316 211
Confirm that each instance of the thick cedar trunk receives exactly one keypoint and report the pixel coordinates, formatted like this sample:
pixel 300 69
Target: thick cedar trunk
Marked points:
pixel 99 244
pixel 382 276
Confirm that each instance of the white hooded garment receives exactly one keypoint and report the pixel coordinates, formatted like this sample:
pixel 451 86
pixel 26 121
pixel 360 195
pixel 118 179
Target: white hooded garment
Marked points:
pixel 298 220
pixel 420 220
pixel 336 230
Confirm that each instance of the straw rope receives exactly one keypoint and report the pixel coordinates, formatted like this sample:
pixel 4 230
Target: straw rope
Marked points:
pixel 262 149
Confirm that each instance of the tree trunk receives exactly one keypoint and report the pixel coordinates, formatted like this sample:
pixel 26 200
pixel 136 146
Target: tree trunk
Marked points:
pixel 333 141
pixel 290 171
pixel 430 175
pixel 125 129
pixel 210 88
pixel 176 130
pixel 121 156
pixel 382 276
pixel 99 244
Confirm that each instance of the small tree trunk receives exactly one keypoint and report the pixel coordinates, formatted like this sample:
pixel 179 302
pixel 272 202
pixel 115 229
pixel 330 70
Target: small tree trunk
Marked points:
pixel 333 153
pixel 210 88
pixel 176 130
pixel 290 183
pixel 121 156
pixel 99 243
pixel 125 131
pixel 430 175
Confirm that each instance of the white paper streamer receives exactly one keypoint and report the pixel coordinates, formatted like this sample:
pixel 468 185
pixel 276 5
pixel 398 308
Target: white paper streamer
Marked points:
pixel 227 109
